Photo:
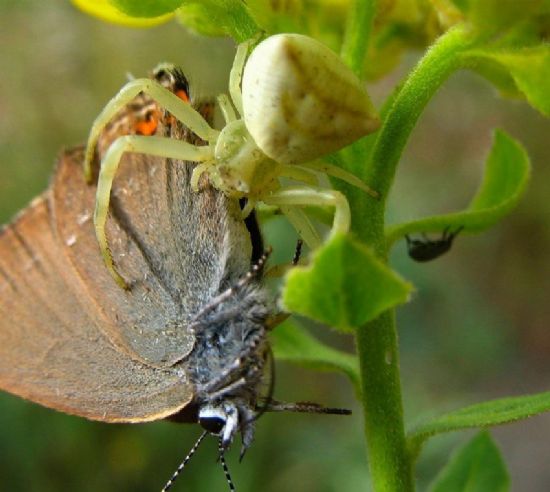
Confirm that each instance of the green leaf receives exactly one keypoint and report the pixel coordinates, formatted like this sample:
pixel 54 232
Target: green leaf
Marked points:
pixel 497 75
pixel 218 18
pixel 146 8
pixel 506 176
pixel 345 286
pixel 476 467
pixel 325 21
pixel 529 68
pixel 492 16
pixel 294 343
pixel 486 414
pixel 105 11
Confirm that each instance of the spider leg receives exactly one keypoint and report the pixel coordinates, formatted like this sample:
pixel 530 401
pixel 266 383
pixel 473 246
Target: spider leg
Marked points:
pixel 294 172
pixel 339 173
pixel 180 110
pixel 300 221
pixel 236 75
pixel 226 109
pixel 197 173
pixel 157 146
pixel 288 197
pixel 248 208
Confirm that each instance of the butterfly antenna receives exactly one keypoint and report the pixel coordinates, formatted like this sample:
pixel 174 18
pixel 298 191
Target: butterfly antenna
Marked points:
pixel 180 468
pixel 224 466
pixel 304 407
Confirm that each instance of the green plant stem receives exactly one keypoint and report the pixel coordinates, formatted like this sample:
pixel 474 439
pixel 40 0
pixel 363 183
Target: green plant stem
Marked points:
pixel 390 463
pixel 441 60
pixel 357 36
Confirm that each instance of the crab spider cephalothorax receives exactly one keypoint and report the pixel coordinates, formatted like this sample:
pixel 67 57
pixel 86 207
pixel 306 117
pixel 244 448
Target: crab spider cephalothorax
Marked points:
pixel 298 102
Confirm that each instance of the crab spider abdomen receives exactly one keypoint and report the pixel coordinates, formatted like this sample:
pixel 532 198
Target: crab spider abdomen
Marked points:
pixel 301 102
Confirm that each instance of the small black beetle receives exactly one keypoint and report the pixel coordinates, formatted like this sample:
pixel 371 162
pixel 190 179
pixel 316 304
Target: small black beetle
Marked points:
pixel 427 250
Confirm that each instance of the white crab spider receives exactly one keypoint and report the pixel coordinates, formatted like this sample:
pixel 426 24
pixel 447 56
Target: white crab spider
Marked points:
pixel 298 103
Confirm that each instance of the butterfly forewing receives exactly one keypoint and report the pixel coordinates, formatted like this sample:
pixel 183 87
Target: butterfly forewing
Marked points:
pixel 70 337
pixel 174 246
pixel 52 349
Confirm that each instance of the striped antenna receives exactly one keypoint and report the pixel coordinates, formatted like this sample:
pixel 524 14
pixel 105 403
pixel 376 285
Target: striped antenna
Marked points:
pixel 180 468
pixel 224 466
pixel 303 407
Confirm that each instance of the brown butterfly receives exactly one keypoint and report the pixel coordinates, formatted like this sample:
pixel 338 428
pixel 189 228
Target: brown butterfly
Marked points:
pixel 188 340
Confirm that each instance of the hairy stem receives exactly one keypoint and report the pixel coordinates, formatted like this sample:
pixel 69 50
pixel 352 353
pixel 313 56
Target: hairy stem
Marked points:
pixel 390 463
pixel 441 60
pixel 358 31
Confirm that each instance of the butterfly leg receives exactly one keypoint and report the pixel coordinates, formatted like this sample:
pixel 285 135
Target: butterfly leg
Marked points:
pixel 181 110
pixel 280 270
pixel 157 146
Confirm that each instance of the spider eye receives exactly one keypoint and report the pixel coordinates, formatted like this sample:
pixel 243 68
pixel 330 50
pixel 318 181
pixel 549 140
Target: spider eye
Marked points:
pixel 214 425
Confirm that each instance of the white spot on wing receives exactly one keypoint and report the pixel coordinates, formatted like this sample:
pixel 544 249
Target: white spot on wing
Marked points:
pixel 84 217
pixel 71 240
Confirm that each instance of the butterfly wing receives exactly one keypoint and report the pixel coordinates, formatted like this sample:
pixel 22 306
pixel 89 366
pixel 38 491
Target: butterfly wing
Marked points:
pixel 53 347
pixel 177 248
pixel 73 340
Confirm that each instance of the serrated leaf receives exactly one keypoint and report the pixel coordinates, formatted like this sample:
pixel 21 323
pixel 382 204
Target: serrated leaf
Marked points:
pixel 294 343
pixel 529 68
pixel 146 8
pixel 105 11
pixel 506 176
pixel 344 286
pixel 218 18
pixel 476 467
pixel 486 414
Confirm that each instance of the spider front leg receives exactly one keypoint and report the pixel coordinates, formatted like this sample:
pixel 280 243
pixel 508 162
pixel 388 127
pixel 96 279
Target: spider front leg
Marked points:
pixel 305 229
pixel 227 110
pixel 181 110
pixel 314 196
pixel 156 146
pixel 236 75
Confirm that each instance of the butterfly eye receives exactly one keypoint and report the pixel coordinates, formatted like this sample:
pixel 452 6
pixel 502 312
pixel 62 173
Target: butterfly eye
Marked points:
pixel 214 425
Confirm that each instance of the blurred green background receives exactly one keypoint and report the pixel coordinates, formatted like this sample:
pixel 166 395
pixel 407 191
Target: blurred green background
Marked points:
pixel 477 327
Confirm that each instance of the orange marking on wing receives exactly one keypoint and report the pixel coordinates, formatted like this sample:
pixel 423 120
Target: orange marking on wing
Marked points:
pixel 147 127
pixel 182 95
